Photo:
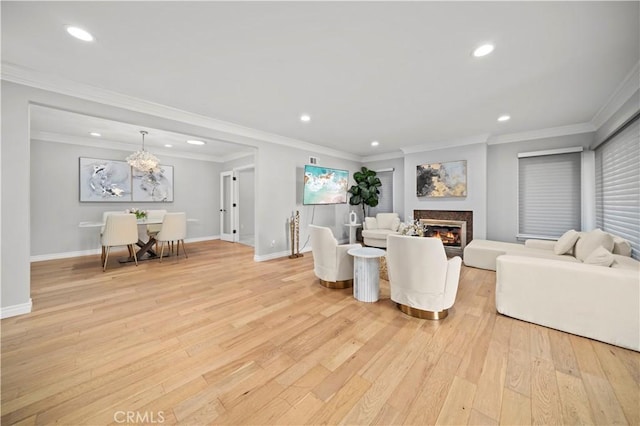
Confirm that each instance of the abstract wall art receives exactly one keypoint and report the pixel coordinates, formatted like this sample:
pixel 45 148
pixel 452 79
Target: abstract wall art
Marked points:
pixel 442 179
pixel 155 185
pixel 104 180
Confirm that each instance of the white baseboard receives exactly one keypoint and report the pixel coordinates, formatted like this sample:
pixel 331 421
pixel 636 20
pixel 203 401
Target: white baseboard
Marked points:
pixel 65 255
pixel 270 256
pixel 277 255
pixel 198 239
pixel 15 310
pixel 68 254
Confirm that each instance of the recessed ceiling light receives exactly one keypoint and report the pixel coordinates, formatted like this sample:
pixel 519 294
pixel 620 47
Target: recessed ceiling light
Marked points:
pixel 375 143
pixel 168 145
pixel 79 33
pixel 195 142
pixel 504 118
pixel 305 118
pixel 96 134
pixel 483 50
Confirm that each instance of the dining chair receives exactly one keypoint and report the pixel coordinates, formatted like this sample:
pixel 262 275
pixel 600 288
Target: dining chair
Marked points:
pixel 174 228
pixel 154 228
pixel 104 219
pixel 120 229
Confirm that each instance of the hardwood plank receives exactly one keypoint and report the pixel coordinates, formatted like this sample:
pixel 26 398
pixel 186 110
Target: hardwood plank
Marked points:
pixel 479 419
pixel 604 404
pixel 624 386
pixel 457 406
pixel 491 384
pixel 429 401
pixel 516 409
pixel 546 408
pixel 575 405
pixel 562 353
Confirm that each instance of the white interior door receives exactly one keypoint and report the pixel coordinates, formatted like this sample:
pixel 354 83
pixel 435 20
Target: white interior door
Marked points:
pixel 227 216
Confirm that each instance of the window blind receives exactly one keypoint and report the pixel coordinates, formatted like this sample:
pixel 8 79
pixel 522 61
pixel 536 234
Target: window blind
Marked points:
pixel 618 185
pixel 548 195
pixel 385 198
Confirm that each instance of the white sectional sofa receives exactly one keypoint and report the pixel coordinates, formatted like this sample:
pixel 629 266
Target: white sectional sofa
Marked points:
pixel 592 291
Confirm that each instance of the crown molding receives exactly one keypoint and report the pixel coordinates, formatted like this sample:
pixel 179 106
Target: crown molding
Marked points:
pixel 118 146
pixel 386 156
pixel 469 140
pixel 623 92
pixel 550 132
pixel 20 75
pixel 236 156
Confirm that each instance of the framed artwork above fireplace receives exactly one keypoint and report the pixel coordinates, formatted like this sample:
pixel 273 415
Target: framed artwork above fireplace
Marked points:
pixel 442 179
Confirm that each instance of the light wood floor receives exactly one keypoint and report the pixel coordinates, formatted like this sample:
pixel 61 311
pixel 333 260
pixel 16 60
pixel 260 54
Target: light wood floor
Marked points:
pixel 220 339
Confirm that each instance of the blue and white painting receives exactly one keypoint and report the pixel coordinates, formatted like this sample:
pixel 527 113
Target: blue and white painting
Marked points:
pixel 104 180
pixel 155 185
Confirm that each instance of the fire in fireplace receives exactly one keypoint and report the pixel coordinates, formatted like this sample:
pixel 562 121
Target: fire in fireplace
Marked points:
pixel 448 236
pixel 452 233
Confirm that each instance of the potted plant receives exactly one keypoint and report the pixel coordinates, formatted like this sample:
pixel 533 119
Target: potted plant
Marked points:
pixel 365 191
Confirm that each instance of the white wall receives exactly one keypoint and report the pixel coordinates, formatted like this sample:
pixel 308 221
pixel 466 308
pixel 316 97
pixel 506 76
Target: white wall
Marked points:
pixel 398 182
pixel 279 177
pixel 246 201
pixel 476 201
pixel 54 176
pixel 502 181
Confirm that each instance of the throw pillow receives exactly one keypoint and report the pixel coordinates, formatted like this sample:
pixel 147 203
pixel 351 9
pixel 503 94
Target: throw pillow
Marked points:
pixel 370 223
pixel 395 226
pixel 621 246
pixel 600 257
pixel 385 220
pixel 566 242
pixel 590 241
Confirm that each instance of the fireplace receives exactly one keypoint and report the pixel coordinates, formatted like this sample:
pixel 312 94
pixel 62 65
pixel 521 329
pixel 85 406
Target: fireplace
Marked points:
pixel 452 233
pixel 458 223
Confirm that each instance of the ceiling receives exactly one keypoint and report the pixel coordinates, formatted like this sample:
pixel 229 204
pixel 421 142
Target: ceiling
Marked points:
pixel 400 73
pixel 54 125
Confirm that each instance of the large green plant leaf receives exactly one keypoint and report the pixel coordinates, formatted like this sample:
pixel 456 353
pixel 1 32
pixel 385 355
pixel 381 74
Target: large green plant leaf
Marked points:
pixel 365 191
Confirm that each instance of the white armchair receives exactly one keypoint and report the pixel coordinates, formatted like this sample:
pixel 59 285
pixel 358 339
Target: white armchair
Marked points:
pixel 376 229
pixel 331 263
pixel 423 282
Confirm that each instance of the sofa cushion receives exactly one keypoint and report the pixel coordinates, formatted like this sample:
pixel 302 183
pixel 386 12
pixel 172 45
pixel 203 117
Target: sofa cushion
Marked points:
pixel 380 234
pixel 566 242
pixel 621 246
pixel 590 241
pixel 386 220
pixel 625 262
pixel 600 257
pixel 370 223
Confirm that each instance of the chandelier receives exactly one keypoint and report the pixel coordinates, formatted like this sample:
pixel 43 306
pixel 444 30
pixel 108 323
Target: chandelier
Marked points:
pixel 143 160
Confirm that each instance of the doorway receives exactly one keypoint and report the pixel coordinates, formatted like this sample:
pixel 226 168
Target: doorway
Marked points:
pixel 245 184
pixel 227 207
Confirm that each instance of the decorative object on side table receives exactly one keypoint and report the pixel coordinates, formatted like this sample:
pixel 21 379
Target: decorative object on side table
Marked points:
pixel 353 218
pixel 414 228
pixel 140 214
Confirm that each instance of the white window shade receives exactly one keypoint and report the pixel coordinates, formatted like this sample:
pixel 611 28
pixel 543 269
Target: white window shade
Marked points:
pixel 549 197
pixel 385 198
pixel 618 185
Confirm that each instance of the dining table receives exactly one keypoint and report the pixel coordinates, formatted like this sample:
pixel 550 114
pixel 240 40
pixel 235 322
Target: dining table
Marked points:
pixel 145 251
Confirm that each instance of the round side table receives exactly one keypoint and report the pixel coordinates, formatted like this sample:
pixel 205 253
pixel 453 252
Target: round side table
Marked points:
pixel 366 273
